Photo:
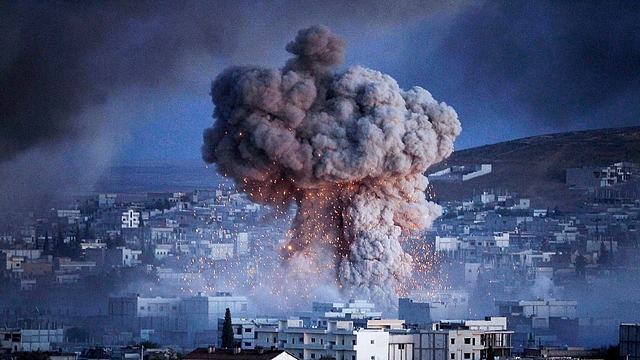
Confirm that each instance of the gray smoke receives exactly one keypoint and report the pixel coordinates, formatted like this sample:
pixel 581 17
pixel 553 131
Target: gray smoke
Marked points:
pixel 349 148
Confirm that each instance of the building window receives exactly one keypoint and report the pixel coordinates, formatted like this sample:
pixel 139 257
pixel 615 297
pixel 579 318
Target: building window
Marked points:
pixel 453 341
pixel 373 357
pixel 247 330
pixel 302 340
pixel 467 341
pixel 353 342
pixel 473 341
pixel 313 340
pixel 313 356
pixel 467 355
pixel 293 340
pixel 400 346
pixel 453 356
pixel 247 344
pixel 373 341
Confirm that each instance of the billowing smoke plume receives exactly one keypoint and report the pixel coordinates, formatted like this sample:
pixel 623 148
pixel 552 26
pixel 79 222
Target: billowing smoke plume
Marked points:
pixel 349 149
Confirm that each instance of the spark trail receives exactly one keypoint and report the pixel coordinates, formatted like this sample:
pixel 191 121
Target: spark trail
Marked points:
pixel 349 148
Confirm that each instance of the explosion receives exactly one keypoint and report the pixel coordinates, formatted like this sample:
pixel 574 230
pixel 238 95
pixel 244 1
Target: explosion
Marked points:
pixel 349 149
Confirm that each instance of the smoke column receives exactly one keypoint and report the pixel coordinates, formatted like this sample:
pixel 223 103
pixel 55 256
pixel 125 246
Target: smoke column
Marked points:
pixel 349 149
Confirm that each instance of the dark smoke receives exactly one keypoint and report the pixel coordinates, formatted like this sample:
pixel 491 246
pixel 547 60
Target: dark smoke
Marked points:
pixel 59 60
pixel 560 63
pixel 76 78
pixel 349 148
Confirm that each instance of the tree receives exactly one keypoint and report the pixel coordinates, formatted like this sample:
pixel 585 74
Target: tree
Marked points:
pixel 58 244
pixel 148 254
pixel 603 259
pixel 491 353
pixel 227 330
pixel 580 264
pixel 45 245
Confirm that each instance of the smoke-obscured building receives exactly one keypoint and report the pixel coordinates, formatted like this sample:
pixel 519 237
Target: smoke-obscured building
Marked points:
pixel 442 305
pixel 541 322
pixel 189 322
pixel 12 340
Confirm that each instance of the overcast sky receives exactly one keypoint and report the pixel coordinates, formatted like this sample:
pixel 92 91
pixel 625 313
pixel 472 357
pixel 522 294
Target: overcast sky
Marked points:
pixel 91 83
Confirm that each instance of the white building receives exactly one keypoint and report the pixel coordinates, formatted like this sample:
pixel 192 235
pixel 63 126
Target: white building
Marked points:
pixel 446 244
pixel 472 339
pixel 338 339
pixel 130 219
pixel 162 250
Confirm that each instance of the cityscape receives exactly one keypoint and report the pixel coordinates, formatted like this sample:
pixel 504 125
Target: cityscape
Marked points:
pixel 408 180
pixel 119 270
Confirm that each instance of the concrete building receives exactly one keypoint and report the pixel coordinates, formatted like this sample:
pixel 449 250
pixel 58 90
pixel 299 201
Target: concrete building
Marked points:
pixel 429 345
pixel 471 339
pixel 13 340
pixel 338 339
pixel 202 312
pixel 601 176
pixel 130 219
pixel 441 305
pixel 244 331
pixel 476 339
pixel 630 341
pixel 537 323
pixel 172 319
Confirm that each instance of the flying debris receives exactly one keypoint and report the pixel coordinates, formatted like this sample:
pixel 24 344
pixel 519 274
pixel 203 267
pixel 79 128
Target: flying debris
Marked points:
pixel 348 148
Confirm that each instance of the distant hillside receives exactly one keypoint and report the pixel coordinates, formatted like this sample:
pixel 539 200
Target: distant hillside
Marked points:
pixel 535 166
pixel 160 175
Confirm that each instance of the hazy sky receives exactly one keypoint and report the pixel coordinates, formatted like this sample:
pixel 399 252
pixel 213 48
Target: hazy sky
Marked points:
pixel 88 83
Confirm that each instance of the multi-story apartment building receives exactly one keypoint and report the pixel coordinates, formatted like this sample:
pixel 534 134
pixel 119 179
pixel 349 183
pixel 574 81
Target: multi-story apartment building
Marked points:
pixel 339 339
pixel 460 340
pixel 477 339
